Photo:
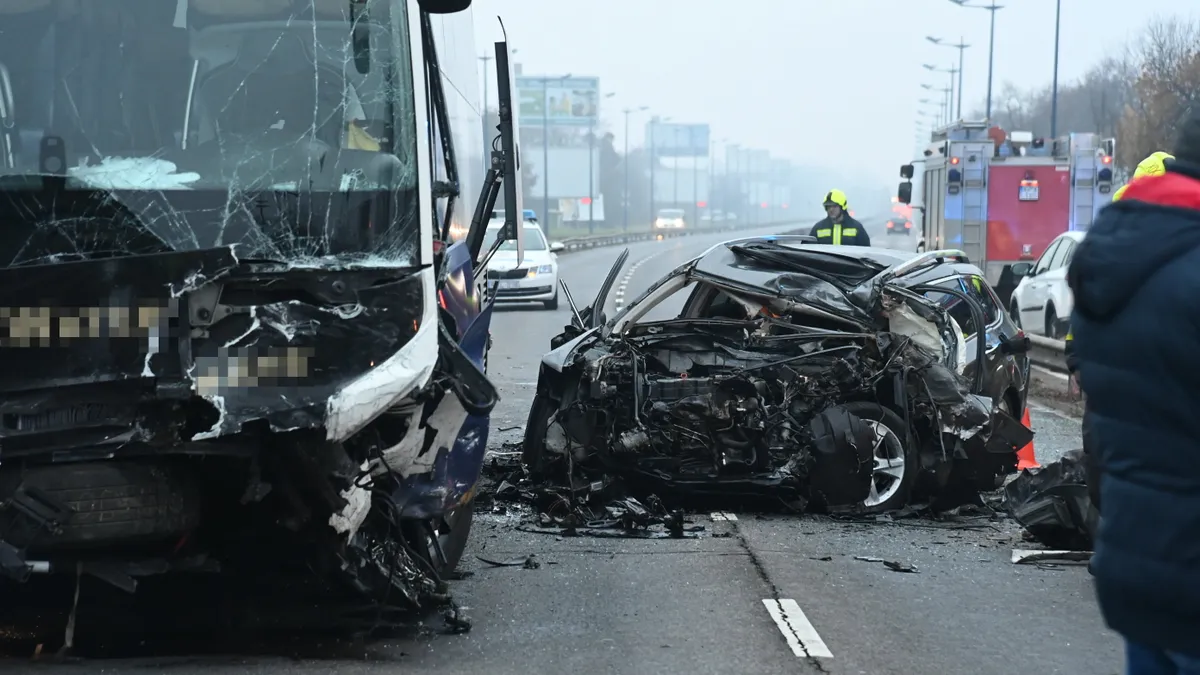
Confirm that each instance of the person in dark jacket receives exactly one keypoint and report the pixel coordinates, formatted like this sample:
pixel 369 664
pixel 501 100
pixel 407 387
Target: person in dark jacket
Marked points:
pixel 838 227
pixel 1136 330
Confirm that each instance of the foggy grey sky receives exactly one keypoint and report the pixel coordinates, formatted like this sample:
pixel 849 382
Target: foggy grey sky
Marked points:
pixel 816 81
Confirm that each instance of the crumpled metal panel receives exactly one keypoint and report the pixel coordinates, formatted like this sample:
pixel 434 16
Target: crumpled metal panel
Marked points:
pixel 1052 503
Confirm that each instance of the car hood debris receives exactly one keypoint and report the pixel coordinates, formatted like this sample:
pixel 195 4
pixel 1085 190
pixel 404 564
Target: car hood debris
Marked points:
pixel 1052 504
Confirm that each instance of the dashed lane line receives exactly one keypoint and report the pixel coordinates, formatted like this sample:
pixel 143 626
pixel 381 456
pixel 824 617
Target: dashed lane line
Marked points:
pixel 628 276
pixel 797 630
pixel 724 517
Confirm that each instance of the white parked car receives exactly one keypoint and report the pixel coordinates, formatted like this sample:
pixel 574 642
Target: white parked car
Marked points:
pixel 1042 301
pixel 536 278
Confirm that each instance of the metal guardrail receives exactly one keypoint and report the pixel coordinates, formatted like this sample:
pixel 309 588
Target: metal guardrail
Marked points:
pixel 1047 353
pixel 575 244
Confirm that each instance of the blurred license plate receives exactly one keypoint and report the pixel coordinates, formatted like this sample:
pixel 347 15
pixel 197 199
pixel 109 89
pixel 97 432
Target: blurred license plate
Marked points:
pixel 508 284
pixel 1028 193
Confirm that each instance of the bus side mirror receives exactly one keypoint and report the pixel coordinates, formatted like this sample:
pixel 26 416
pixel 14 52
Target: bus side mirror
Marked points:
pixel 905 192
pixel 906 172
pixel 443 6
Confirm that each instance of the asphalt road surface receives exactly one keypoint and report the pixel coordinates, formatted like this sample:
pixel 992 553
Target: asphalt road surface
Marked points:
pixel 778 594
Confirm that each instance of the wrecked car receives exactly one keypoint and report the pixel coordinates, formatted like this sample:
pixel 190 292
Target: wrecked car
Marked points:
pixel 234 338
pixel 830 377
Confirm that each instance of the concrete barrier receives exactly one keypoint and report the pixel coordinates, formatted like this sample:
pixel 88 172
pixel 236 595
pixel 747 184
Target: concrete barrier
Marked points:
pixel 1049 354
pixel 575 244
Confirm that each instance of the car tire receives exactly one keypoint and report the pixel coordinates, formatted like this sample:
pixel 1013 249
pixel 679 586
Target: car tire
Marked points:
pixel 1054 327
pixel 418 535
pixel 888 420
pixel 552 303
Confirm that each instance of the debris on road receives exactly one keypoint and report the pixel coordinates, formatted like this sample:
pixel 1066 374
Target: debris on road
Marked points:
pixel 599 508
pixel 1024 557
pixel 817 381
pixel 892 565
pixel 529 562
pixel 1053 505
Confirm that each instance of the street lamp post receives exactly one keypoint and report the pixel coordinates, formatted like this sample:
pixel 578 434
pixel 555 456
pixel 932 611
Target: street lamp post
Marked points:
pixel 546 148
pixel 727 184
pixel 992 8
pixel 712 171
pixel 591 167
pixel 625 161
pixel 962 48
pixel 949 101
pixel 695 178
pixel 675 177
pixel 1054 87
pixel 654 122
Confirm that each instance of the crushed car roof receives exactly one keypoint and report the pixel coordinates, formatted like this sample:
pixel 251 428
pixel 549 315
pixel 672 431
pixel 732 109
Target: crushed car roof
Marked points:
pixel 759 260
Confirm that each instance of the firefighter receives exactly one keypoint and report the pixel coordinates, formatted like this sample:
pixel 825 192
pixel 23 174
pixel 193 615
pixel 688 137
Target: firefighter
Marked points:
pixel 838 228
pixel 1154 165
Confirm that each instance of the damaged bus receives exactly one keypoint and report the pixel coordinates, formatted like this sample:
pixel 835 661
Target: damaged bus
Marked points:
pixel 236 337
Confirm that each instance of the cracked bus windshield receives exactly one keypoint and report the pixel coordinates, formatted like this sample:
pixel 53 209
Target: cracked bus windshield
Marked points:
pixel 285 128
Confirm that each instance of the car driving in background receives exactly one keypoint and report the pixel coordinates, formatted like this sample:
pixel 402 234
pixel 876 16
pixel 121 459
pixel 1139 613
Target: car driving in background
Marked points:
pixel 670 219
pixel 899 225
pixel 536 278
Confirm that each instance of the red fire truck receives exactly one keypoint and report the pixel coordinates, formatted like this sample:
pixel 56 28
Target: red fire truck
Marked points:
pixel 1004 199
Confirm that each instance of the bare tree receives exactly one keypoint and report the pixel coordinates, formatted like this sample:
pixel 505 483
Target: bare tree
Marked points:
pixel 1108 88
pixel 1165 90
pixel 1139 94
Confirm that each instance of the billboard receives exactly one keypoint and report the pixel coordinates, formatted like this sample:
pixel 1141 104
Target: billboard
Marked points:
pixel 680 187
pixel 678 140
pixel 757 163
pixel 572 101
pixel 569 174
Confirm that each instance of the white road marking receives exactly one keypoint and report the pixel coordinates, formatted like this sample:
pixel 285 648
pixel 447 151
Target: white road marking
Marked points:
pixel 799 633
pixel 628 276
pixel 726 517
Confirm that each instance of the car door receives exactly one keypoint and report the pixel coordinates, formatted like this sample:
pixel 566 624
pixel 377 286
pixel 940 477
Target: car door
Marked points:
pixel 998 366
pixel 1031 292
pixel 1055 290
pixel 1001 369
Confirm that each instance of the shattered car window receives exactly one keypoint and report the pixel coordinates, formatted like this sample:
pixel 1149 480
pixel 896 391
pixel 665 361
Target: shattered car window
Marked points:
pixel 979 289
pixel 200 123
pixel 956 306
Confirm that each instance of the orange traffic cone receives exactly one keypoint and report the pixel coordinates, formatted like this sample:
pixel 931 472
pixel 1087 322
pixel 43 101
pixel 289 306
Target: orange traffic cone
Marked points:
pixel 1025 457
